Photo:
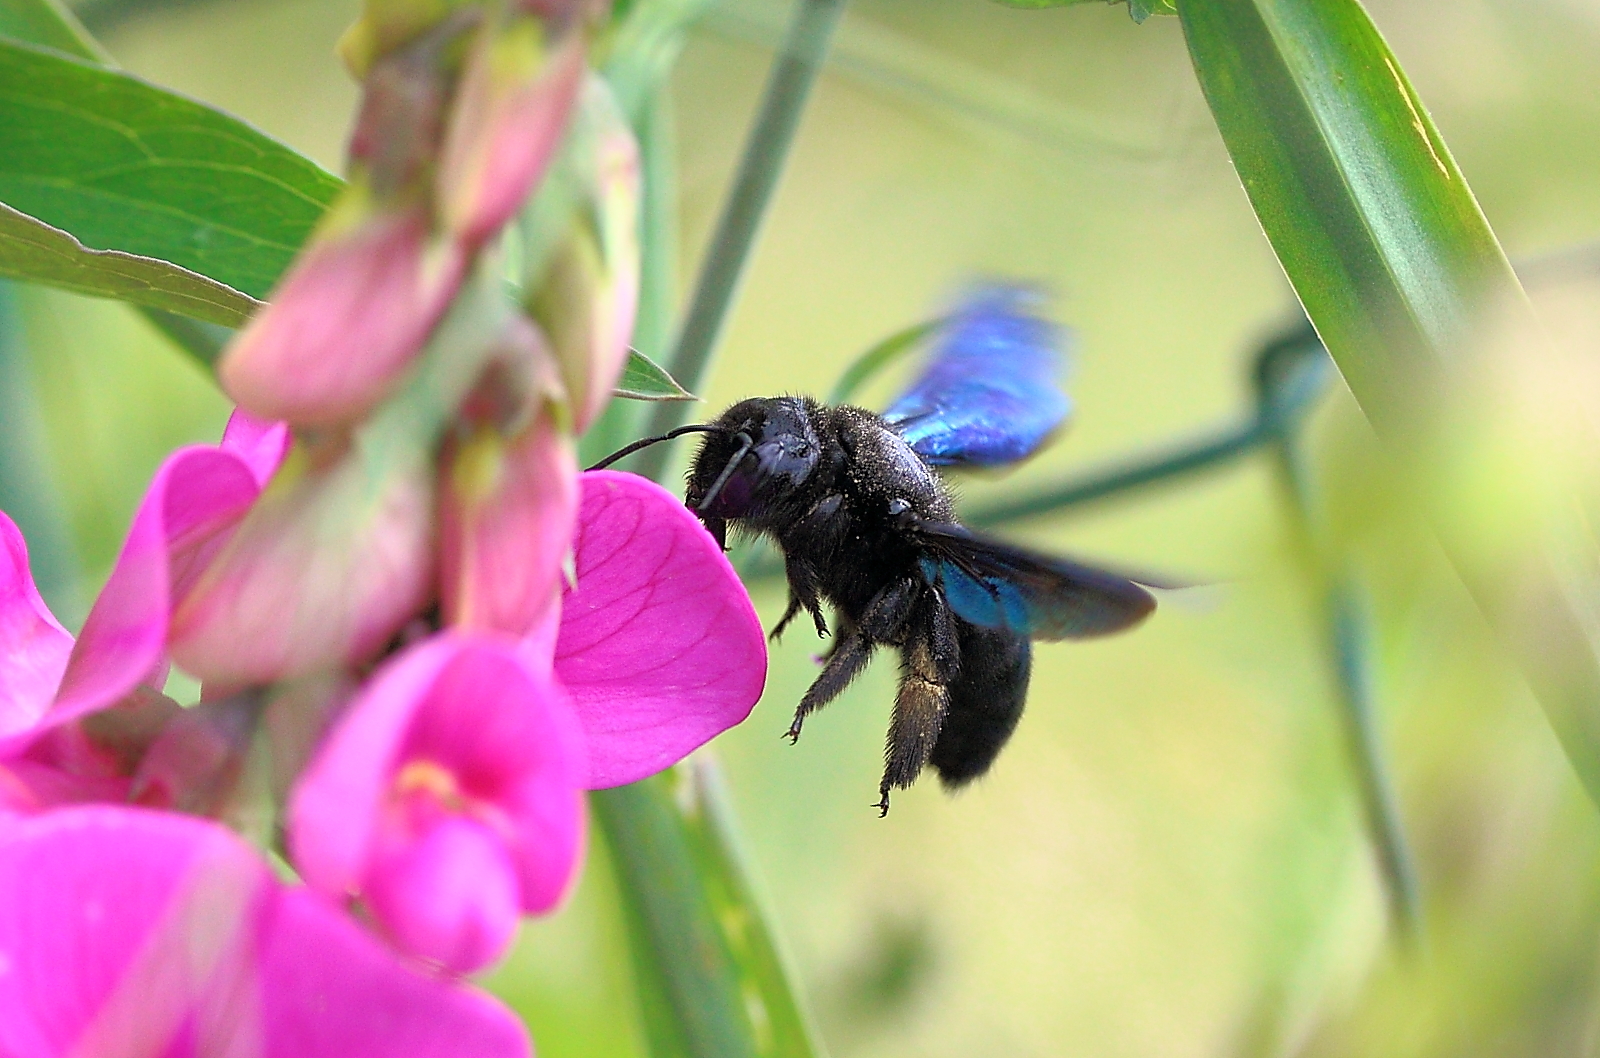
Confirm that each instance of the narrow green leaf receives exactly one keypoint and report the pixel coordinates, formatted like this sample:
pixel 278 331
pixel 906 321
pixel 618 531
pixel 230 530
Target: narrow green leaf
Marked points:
pixel 645 48
pixel 712 980
pixel 644 379
pixel 51 24
pixel 879 357
pixel 39 253
pixel 121 165
pixel 1404 282
pixel 1139 9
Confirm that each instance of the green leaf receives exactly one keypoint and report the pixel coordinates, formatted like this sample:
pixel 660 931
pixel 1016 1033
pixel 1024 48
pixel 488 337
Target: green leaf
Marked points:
pixel 121 165
pixel 711 979
pixel 1139 9
pixel 644 379
pixel 645 48
pixel 1409 289
pixel 33 250
pixel 51 24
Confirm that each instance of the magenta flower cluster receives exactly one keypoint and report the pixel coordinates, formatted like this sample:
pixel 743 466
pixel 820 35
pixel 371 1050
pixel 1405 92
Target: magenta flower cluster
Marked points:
pixel 421 634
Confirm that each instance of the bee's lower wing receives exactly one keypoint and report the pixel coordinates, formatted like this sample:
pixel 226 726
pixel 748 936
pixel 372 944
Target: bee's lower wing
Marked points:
pixel 999 585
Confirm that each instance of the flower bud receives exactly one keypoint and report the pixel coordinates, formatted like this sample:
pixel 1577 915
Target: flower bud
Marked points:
pixel 510 110
pixel 509 494
pixel 589 291
pixel 328 564
pixel 348 320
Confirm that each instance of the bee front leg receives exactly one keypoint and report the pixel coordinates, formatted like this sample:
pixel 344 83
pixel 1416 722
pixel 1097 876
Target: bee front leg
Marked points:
pixel 802 595
pixel 883 619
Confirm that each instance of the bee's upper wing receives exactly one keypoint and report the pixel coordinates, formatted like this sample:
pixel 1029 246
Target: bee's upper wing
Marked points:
pixel 990 392
pixel 997 585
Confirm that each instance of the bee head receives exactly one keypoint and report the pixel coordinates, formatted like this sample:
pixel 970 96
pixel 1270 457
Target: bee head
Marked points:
pixel 764 449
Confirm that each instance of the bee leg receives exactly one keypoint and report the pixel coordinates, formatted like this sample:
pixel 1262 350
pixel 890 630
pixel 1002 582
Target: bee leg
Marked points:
pixel 802 595
pixel 883 619
pixel 921 703
pixel 850 655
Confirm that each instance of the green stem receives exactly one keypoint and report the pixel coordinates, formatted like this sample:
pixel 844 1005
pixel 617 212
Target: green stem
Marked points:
pixel 1279 408
pixel 1189 458
pixel 799 61
pixel 1348 644
pixel 711 979
pixel 1349 641
pixel 658 268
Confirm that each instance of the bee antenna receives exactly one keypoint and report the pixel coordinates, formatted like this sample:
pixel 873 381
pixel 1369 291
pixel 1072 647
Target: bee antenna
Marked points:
pixel 628 450
pixel 745 444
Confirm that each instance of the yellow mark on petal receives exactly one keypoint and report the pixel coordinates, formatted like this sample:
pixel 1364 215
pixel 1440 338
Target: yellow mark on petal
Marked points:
pixel 479 465
pixel 430 777
pixel 1416 116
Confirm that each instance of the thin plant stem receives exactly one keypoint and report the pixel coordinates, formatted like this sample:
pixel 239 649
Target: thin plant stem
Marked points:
pixel 805 47
pixel 1206 453
pixel 1348 636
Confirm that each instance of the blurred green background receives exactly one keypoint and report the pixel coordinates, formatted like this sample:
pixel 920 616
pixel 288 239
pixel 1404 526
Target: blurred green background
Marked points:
pixel 1169 859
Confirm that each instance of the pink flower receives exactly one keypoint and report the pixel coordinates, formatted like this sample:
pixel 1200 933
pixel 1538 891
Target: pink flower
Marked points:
pixel 130 932
pixel 448 796
pixel 198 498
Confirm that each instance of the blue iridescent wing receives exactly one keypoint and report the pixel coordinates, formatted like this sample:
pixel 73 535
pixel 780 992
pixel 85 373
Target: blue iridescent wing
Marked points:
pixel 998 585
pixel 990 392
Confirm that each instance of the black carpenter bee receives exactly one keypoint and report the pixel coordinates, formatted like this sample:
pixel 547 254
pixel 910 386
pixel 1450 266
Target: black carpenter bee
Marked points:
pixel 865 524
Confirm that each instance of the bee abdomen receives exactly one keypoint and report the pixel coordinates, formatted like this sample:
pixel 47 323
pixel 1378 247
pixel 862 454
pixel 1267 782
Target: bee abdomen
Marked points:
pixel 986 702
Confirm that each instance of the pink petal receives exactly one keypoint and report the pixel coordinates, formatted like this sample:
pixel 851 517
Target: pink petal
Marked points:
pixel 660 647
pixel 317 961
pixel 449 895
pixel 195 502
pixel 261 443
pixel 510 111
pixel 464 704
pixel 346 323
pixel 129 932
pixel 508 512
pixel 33 646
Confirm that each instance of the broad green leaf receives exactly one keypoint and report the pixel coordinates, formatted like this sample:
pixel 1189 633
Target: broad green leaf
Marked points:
pixel 712 981
pixel 1410 292
pixel 644 379
pixel 33 250
pixel 49 23
pixel 124 166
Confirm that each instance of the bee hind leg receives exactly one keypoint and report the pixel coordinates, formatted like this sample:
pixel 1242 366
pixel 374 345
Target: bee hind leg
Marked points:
pixel 919 711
